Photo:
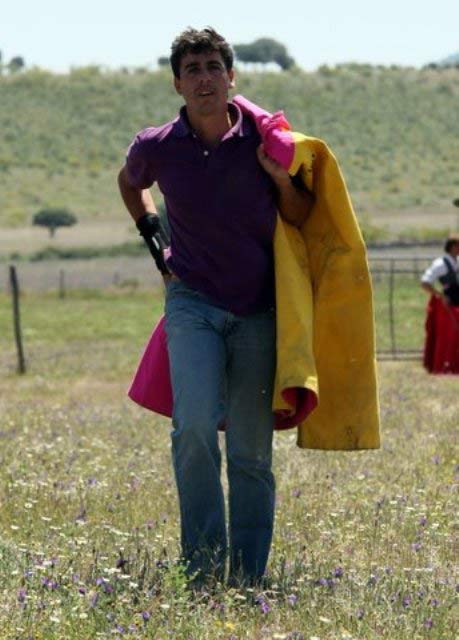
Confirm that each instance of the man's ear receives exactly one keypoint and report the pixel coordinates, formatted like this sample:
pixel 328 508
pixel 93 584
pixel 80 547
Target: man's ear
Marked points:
pixel 232 82
pixel 177 85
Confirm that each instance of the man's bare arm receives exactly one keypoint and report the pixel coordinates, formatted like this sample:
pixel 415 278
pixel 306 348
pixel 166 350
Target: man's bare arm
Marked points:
pixel 138 201
pixel 294 204
pixel 140 205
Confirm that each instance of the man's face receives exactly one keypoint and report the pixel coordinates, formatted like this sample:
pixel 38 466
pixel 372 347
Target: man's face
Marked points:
pixel 455 250
pixel 204 82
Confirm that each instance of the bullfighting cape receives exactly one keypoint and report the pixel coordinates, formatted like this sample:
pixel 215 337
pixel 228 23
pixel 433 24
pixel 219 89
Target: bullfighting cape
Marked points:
pixel 326 375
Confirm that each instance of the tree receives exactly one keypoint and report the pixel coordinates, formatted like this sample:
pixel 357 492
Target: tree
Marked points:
pixel 16 64
pixel 264 50
pixel 163 61
pixel 54 218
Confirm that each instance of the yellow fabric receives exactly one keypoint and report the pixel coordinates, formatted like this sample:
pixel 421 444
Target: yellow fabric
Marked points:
pixel 325 325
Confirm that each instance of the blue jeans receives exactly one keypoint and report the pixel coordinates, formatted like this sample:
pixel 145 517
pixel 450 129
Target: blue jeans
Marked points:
pixel 222 371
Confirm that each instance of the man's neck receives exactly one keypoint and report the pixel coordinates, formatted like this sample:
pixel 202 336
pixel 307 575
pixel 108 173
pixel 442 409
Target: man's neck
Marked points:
pixel 210 129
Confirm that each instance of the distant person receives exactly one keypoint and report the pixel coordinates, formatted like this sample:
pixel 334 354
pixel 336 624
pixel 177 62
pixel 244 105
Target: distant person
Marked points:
pixel 445 270
pixel 222 195
pixel 441 348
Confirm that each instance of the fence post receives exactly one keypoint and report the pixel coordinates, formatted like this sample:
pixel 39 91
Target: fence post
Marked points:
pixel 17 319
pixel 61 283
pixel 391 309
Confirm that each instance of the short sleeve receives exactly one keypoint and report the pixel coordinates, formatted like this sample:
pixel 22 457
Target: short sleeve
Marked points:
pixel 435 271
pixel 140 162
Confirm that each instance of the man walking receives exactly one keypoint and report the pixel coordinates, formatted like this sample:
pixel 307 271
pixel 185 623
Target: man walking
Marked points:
pixel 222 194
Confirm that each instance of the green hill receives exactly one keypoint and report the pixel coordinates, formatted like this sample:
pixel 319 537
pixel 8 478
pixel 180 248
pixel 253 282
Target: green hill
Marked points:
pixel 63 137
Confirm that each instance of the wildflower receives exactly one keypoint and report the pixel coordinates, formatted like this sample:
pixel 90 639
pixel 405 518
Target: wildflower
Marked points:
pixel 82 590
pixel 372 580
pixel 359 614
pixel 423 521
pixel 296 493
pixel 321 582
pixel 146 616
pixel 406 602
pixel 22 595
pixel 338 572
pixel 434 602
pixel 292 599
pixel 428 624
pixel 264 606
pixel 416 546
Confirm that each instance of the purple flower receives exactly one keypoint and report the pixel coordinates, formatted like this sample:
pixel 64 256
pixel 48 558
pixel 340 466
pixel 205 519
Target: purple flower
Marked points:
pixel 372 580
pixel 423 521
pixel 296 493
pixel 416 546
pixel 434 602
pixel 359 614
pixel 406 601
pixel 22 594
pixel 82 590
pixel 265 608
pixel 338 572
pixel 428 624
pixel 120 628
pixel 292 599
pixel 321 582
pixel 146 616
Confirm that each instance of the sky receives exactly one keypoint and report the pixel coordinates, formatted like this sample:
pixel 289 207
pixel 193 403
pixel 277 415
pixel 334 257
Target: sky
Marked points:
pixel 58 34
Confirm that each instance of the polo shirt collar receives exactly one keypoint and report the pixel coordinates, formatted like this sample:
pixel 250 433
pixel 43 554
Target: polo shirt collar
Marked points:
pixel 181 126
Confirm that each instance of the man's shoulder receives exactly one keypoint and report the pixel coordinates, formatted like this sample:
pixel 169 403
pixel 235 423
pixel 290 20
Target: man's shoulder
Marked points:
pixel 155 135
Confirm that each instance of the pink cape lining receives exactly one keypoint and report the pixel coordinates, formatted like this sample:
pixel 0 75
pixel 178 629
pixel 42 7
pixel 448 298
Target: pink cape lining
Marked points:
pixel 151 386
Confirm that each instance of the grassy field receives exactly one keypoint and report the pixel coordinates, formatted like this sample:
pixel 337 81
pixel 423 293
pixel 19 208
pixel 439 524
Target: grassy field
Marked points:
pixel 363 546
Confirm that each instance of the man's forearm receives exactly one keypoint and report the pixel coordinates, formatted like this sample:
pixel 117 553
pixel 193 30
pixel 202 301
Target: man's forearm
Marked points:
pixel 138 201
pixel 294 204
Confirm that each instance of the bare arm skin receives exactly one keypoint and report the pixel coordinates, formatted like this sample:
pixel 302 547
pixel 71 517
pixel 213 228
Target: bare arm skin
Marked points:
pixel 138 201
pixel 294 204
pixel 434 292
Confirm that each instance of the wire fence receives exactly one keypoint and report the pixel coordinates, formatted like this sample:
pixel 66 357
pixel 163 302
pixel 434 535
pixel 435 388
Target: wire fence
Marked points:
pixel 398 299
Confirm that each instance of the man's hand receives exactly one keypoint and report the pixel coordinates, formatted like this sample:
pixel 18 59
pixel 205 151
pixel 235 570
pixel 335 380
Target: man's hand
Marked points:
pixel 277 172
pixel 295 204
pixel 149 226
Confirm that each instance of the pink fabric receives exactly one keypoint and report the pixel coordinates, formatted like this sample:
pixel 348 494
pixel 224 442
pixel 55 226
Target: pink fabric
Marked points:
pixel 274 130
pixel 151 387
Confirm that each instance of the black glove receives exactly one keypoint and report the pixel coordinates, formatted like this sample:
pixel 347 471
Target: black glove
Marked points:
pixel 152 232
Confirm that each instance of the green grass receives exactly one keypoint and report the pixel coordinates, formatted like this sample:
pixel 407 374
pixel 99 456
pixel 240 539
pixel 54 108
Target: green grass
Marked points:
pixel 363 543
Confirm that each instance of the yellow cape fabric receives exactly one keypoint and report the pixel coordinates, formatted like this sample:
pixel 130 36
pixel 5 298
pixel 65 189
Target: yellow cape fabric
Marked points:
pixel 325 321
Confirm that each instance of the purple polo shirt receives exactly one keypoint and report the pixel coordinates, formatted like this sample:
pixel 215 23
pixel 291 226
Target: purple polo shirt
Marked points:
pixel 221 209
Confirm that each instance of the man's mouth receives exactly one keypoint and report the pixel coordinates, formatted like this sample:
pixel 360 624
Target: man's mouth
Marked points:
pixel 203 94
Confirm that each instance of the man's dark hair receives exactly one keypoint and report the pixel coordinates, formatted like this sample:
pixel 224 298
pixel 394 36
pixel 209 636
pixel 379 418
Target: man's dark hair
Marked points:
pixel 451 242
pixel 205 41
